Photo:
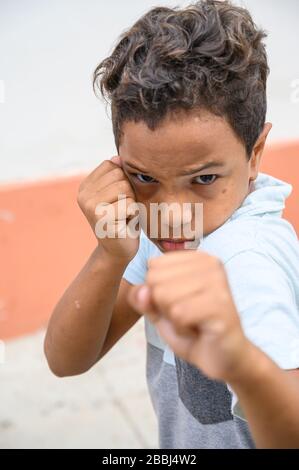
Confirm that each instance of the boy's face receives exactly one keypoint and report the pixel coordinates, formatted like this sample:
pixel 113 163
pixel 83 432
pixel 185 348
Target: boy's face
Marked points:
pixel 165 166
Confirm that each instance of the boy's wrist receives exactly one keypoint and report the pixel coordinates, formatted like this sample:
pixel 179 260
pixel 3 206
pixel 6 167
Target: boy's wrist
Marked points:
pixel 101 257
pixel 252 367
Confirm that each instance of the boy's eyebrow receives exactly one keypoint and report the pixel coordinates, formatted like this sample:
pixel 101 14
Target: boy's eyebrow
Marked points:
pixel 203 167
pixel 135 167
pixel 185 172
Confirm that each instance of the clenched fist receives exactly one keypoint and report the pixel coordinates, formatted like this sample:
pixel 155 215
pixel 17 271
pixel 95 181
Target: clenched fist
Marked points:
pixel 187 297
pixel 98 197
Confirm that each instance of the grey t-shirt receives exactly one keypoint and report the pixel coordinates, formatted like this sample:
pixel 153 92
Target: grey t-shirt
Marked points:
pixel 193 411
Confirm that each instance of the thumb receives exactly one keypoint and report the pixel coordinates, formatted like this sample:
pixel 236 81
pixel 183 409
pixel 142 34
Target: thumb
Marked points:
pixel 116 159
pixel 140 299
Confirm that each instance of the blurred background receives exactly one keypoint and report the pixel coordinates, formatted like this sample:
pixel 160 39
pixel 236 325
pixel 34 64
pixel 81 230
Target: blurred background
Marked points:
pixel 53 131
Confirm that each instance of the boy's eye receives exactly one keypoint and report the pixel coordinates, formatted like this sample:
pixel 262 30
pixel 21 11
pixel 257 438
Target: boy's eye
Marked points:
pixel 144 178
pixel 206 179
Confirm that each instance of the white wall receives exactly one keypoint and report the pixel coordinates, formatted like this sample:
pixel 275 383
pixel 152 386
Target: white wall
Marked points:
pixel 52 124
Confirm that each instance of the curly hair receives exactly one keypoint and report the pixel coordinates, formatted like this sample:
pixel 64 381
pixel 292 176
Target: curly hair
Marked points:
pixel 209 55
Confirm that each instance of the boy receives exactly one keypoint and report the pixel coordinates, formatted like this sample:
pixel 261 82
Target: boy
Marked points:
pixel 188 98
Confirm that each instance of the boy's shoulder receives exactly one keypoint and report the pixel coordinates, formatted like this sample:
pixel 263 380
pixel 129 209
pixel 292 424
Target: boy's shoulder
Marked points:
pixel 269 235
pixel 257 225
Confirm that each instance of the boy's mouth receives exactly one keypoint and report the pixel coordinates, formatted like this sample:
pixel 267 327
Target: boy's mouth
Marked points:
pixel 169 244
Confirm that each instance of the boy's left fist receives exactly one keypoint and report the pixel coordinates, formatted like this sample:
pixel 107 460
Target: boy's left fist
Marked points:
pixel 188 298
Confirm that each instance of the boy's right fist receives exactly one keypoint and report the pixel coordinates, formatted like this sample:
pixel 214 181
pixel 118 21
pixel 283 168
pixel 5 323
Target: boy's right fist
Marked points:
pixel 103 186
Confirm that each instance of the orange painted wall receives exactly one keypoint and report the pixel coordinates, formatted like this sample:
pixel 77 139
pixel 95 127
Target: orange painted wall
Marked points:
pixel 40 251
pixel 45 240
pixel 282 161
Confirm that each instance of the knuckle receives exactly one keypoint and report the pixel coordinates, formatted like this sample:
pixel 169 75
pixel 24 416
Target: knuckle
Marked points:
pixel 118 173
pixel 150 277
pixel 107 163
pixel 176 314
pixel 159 296
pixel 89 206
pixel 214 263
pixel 124 187
pixel 224 296
pixel 100 209
pixel 104 168
pixel 153 261
pixel 217 261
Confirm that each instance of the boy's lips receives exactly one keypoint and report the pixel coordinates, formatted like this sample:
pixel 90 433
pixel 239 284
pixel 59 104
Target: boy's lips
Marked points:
pixel 169 244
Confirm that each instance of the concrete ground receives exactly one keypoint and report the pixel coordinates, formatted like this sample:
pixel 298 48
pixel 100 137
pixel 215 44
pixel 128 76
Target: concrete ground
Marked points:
pixel 107 407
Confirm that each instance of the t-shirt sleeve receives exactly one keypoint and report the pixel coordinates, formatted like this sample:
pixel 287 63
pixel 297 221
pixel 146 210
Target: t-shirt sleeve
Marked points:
pixel 266 302
pixel 136 270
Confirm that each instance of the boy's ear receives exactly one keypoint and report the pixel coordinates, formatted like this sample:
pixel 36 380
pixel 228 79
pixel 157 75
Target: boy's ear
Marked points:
pixel 258 151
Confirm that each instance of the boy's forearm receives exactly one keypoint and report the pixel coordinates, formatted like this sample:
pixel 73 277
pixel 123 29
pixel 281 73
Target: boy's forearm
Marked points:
pixel 269 398
pixel 79 323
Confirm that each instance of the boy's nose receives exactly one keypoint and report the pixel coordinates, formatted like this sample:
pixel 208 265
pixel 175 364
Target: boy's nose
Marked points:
pixel 175 214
